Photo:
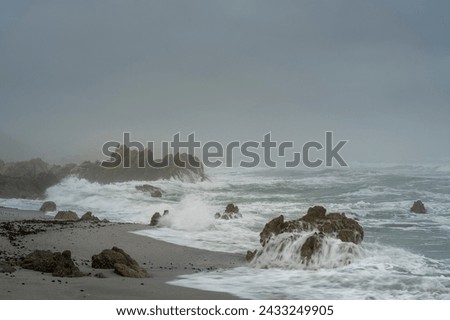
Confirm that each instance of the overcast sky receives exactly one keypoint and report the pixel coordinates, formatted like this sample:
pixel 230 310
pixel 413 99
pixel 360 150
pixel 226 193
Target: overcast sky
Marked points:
pixel 74 74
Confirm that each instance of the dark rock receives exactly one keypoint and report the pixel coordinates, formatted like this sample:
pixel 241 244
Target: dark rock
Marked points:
pixel 336 224
pixel 231 208
pixel 48 206
pixel 250 255
pixel 56 263
pixel 88 216
pixel 154 191
pixel 418 207
pixel 100 275
pixel 155 219
pixel 66 215
pixel 231 212
pixel 166 212
pixel 120 261
pixel 28 179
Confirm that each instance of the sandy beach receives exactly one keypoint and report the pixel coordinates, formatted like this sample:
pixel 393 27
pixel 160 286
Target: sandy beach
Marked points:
pixel 163 261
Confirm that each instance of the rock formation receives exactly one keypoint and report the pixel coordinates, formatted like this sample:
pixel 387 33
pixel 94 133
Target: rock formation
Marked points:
pixel 88 216
pixel 66 215
pixel 418 207
pixel 306 239
pixel 48 206
pixel 30 179
pixel 120 261
pixel 155 219
pixel 231 212
pixel 56 263
pixel 154 191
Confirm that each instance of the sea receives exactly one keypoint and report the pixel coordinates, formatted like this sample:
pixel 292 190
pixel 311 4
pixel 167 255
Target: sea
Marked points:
pixel 403 255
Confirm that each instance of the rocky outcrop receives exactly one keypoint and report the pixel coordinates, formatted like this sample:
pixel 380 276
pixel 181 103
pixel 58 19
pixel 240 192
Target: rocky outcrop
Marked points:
pixel 48 206
pixel 120 261
pixel 88 216
pixel 141 166
pixel 154 191
pixel 336 224
pixel 56 263
pixel 418 207
pixel 155 219
pixel 231 212
pixel 313 240
pixel 30 179
pixel 157 216
pixel 66 215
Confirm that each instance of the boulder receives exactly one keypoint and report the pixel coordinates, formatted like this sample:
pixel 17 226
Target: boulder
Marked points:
pixel 56 263
pixel 48 206
pixel 155 219
pixel 154 191
pixel 418 207
pixel 88 216
pixel 310 240
pixel 66 215
pixel 250 255
pixel 335 224
pixel 120 261
pixel 231 212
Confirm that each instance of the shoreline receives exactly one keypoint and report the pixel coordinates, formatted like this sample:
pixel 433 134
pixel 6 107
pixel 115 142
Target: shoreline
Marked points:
pixel 162 260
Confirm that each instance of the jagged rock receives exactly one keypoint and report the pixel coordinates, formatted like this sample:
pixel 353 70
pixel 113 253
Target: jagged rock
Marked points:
pixel 6 268
pixel 56 263
pixel 88 216
pixel 154 191
pixel 66 215
pixel 250 255
pixel 231 208
pixel 155 219
pixel 418 207
pixel 48 206
pixel 231 212
pixel 336 224
pixel 120 261
pixel 166 212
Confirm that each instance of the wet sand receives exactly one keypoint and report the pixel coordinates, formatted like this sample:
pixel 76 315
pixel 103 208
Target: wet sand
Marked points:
pixel 163 261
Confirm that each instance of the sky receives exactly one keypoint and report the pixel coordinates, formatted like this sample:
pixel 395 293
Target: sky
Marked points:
pixel 75 74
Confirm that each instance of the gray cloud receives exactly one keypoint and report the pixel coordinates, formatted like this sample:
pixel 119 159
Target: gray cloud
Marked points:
pixel 76 73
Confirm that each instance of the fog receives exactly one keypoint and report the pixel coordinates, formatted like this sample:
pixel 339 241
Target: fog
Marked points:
pixel 75 74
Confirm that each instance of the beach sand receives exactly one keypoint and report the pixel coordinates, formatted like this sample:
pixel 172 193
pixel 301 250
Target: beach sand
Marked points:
pixel 163 261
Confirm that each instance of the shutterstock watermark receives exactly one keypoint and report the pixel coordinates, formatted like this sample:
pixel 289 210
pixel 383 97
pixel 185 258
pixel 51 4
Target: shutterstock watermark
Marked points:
pixel 215 154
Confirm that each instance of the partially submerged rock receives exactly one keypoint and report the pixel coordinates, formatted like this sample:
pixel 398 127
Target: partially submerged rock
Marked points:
pixel 314 239
pixel 155 219
pixel 154 191
pixel 336 224
pixel 120 261
pixel 48 206
pixel 56 263
pixel 231 212
pixel 66 215
pixel 418 207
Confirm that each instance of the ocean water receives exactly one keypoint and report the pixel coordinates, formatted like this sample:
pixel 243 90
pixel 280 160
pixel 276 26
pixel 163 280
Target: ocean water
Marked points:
pixel 403 255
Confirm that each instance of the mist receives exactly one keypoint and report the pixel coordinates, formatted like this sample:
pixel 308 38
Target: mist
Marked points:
pixel 75 74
